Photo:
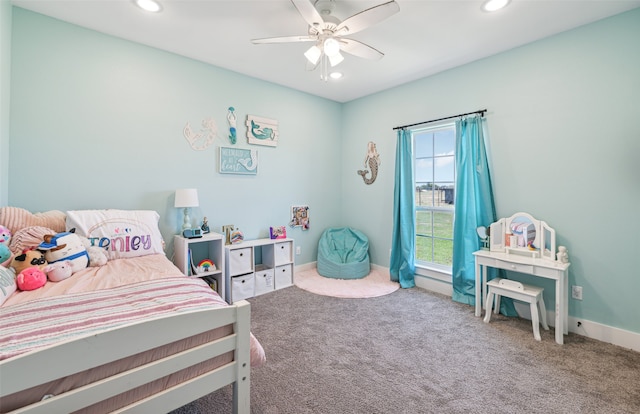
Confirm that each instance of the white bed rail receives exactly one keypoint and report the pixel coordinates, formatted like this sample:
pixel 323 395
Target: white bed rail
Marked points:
pixel 63 359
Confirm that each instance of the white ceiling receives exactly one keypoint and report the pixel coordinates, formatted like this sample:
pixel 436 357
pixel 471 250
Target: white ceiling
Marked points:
pixel 424 38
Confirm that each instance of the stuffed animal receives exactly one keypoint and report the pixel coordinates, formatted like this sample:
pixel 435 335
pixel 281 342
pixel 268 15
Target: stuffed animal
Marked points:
pixel 97 255
pixel 5 255
pixel 28 258
pixel 5 238
pixel 31 278
pixel 5 235
pixel 58 271
pixel 65 246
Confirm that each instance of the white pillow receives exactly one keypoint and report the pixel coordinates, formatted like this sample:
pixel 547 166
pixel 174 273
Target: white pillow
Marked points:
pixel 122 233
pixel 7 283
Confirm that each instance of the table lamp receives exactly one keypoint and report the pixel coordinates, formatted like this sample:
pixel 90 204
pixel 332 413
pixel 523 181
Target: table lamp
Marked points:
pixel 186 198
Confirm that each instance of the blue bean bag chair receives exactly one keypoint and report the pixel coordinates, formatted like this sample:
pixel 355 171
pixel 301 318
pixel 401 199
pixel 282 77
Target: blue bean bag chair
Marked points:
pixel 343 253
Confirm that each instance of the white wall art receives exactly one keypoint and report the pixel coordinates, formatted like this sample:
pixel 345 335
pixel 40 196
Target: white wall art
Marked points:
pixel 262 131
pixel 202 139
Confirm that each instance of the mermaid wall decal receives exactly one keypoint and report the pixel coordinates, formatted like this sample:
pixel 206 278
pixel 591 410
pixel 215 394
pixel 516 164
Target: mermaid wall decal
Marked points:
pixel 372 160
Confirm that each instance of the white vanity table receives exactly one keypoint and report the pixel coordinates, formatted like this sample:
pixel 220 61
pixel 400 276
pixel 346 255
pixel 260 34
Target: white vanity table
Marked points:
pixel 533 254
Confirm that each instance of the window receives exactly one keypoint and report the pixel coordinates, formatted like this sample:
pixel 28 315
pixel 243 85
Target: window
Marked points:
pixel 435 173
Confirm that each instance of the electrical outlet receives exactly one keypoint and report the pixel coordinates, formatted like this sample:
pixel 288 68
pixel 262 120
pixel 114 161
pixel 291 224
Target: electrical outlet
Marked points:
pixel 297 249
pixel 576 292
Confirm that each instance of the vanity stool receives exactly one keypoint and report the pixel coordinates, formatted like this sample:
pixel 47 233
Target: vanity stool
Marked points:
pixel 518 291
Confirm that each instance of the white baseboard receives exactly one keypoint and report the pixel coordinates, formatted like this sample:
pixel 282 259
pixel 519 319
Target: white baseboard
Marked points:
pixel 590 329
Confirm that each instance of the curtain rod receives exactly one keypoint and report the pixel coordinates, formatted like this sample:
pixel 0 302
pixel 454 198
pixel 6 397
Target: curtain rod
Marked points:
pixel 480 111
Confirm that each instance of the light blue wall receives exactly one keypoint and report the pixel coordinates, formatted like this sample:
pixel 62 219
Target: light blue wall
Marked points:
pixel 565 143
pixel 97 122
pixel 5 88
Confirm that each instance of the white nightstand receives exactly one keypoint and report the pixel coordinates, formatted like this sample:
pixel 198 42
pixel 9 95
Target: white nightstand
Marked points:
pixel 209 246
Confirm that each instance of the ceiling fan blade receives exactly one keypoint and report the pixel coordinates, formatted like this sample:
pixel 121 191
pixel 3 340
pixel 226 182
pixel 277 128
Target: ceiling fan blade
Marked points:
pixel 309 13
pixel 367 18
pixel 285 39
pixel 355 48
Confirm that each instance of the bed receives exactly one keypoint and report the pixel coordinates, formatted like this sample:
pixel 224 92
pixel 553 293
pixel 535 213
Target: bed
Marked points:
pixel 132 335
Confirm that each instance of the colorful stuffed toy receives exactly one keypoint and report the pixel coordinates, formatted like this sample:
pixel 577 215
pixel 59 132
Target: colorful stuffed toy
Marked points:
pixel 5 238
pixel 59 270
pixel 97 255
pixel 28 258
pixel 65 246
pixel 5 255
pixel 31 278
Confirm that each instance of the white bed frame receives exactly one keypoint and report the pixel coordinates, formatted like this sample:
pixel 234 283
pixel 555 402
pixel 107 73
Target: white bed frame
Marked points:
pixel 60 360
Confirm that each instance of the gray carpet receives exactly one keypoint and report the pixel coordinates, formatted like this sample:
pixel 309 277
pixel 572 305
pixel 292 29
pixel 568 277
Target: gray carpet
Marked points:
pixel 414 351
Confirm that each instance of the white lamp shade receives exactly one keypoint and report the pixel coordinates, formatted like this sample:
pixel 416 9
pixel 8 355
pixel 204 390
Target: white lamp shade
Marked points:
pixel 335 59
pixel 331 47
pixel 313 54
pixel 187 197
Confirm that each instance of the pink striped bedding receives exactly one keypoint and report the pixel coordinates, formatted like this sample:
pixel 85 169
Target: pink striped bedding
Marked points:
pixel 37 323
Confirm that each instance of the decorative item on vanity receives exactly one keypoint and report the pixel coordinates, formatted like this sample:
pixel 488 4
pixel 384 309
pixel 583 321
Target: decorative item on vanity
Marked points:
pixel 372 161
pixel 483 233
pixel 231 118
pixel 238 161
pixel 563 254
pixel 227 229
pixel 262 131
pixel 186 198
pixel 205 226
pixel 201 140
pixel 279 232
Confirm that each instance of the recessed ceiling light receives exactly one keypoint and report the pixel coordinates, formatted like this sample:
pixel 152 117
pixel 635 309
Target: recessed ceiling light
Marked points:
pixel 335 75
pixel 494 5
pixel 149 5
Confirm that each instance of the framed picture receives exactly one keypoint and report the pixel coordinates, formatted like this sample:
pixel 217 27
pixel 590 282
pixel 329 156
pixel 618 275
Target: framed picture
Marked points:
pixel 238 161
pixel 262 131
pixel 300 217
pixel 279 232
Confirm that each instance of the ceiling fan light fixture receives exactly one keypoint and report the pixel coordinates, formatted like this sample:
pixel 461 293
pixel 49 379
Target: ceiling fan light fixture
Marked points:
pixel 494 5
pixel 331 47
pixel 335 60
pixel 313 54
pixel 149 5
pixel 335 75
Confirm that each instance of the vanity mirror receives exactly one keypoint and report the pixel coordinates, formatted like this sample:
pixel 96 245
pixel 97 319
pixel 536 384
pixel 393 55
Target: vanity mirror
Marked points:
pixel 523 234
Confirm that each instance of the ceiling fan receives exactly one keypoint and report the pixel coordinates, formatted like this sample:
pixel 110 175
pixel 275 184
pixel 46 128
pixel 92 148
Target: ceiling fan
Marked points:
pixel 327 32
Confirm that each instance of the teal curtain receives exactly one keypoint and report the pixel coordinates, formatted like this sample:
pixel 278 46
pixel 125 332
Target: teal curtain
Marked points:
pixel 403 244
pixel 474 207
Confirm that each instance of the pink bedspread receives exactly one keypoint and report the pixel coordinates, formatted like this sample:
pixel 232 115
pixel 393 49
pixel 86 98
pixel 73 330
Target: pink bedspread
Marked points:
pixel 46 321
pixel 97 298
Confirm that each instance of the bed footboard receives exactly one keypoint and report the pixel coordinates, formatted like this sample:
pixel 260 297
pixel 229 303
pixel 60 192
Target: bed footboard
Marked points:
pixel 61 360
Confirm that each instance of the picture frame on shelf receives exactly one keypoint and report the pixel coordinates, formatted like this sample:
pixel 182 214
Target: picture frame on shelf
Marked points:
pixel 278 232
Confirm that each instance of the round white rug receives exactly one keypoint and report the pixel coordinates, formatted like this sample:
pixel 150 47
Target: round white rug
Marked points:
pixel 376 283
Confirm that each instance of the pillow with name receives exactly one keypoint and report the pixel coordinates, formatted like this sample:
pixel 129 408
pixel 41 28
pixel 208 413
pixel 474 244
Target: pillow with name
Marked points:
pixel 121 233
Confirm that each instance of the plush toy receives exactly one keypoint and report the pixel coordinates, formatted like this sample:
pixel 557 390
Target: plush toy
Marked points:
pixel 58 271
pixel 31 278
pixel 65 246
pixel 5 238
pixel 5 235
pixel 5 255
pixel 28 258
pixel 97 255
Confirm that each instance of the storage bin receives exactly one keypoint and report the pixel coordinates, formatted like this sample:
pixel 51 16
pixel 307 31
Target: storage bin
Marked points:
pixel 283 276
pixel 242 287
pixel 264 281
pixel 241 261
